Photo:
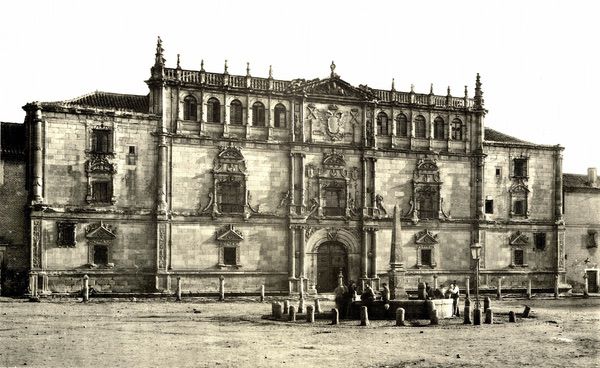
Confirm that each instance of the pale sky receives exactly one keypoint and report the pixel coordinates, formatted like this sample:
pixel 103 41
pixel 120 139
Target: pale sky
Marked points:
pixel 538 60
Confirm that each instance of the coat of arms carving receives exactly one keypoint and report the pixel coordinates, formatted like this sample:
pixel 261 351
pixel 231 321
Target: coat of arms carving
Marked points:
pixel 334 123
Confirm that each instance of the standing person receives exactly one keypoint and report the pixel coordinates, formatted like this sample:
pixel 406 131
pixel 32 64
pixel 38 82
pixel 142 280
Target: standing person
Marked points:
pixel 385 293
pixel 454 294
pixel 367 296
pixel 340 294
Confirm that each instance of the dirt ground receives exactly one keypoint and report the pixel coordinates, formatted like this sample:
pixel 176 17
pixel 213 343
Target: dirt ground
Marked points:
pixel 206 333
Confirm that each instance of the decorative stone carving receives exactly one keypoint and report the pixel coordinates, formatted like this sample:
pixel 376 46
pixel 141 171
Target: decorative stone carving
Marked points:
pixel 426 201
pixel 36 243
pixel 100 164
pixel 162 245
pixel 518 239
pixel 228 237
pixel 334 121
pixel 426 237
pixel 101 232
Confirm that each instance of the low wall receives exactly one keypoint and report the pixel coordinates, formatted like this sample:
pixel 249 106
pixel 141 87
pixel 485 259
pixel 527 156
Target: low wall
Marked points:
pixel 413 309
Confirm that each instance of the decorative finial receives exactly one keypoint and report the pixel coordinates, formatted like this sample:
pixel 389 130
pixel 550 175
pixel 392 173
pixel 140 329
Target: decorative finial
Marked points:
pixel 178 64
pixel 225 68
pixel 431 89
pixel 247 69
pixel 270 71
pixel 448 90
pixel 478 99
pixel 159 60
pixel 412 88
pixel 202 65
pixel 393 84
pixel 466 92
pixel 332 67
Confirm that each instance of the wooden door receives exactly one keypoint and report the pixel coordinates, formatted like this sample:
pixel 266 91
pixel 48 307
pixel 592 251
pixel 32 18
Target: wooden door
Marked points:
pixel 331 260
pixel 592 277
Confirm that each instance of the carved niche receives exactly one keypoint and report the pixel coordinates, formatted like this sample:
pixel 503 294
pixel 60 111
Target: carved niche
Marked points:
pixel 228 241
pixel 100 237
pixel 336 187
pixel 426 201
pixel 519 199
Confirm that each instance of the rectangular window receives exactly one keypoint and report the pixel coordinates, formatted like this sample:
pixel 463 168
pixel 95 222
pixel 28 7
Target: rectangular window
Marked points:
pixel 592 241
pixel 489 206
pixel 230 256
pixel 131 156
pixel 520 207
pixel 519 257
pixel 426 259
pixel 101 192
pixel 540 241
pixel 100 254
pixel 231 197
pixel 498 173
pixel 335 202
pixel 520 167
pixel 66 234
pixel 101 141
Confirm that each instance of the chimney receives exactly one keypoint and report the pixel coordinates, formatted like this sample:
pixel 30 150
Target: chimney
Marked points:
pixel 592 176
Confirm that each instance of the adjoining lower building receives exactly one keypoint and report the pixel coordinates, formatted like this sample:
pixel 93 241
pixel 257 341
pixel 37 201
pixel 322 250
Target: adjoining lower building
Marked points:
pixel 287 184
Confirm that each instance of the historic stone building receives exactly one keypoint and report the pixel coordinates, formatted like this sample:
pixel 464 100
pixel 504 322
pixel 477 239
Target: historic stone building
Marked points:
pixel 286 184
pixel 14 244
pixel 582 217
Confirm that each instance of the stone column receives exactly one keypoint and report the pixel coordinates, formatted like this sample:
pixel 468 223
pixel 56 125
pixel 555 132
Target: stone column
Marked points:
pixel 291 191
pixel 37 146
pixel 373 253
pixel 161 195
pixel 364 255
pixel 302 195
pixel 301 258
pixel 558 185
pixel 529 289
pixel 292 252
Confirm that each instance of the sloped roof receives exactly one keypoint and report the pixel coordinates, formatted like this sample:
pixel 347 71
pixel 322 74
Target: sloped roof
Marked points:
pixel 578 181
pixel 495 136
pixel 108 100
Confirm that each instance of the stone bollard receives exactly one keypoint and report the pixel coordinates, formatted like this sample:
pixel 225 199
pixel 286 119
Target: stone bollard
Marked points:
pixel 178 291
pixel 278 312
pixel 487 303
pixel 434 320
pixel 86 288
pixel 477 316
pixel 489 316
pixel 511 317
pixel 467 312
pixel 364 316
pixel 335 316
pixel 499 291
pixel 467 287
pixel 273 309
pixel 435 282
pixel 310 314
pixel 292 315
pixel 529 289
pixel 317 306
pixel 262 293
pixel 286 306
pixel 556 291
pixel 221 287
pixel 526 311
pixel 301 306
pixel 400 313
pixel 586 288
pixel 422 293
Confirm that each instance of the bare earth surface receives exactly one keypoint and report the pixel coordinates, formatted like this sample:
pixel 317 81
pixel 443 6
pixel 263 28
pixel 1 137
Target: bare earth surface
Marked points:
pixel 150 333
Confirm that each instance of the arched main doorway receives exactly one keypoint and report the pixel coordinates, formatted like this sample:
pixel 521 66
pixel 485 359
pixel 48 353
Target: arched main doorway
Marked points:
pixel 331 259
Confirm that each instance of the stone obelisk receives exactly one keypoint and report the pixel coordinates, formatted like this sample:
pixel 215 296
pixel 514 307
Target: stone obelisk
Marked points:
pixel 397 270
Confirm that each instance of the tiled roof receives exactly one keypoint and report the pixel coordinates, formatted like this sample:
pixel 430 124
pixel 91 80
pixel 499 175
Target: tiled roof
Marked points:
pixel 571 181
pixel 496 136
pixel 12 140
pixel 108 100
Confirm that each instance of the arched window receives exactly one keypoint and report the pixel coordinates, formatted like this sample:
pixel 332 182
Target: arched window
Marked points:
pixel 401 125
pixel 190 107
pixel 213 114
pixel 438 128
pixel 258 114
pixel 280 115
pixel 382 123
pixel 235 112
pixel 420 127
pixel 457 130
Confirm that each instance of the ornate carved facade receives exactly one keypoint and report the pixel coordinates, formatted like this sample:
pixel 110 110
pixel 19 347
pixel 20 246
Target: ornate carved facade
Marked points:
pixel 286 184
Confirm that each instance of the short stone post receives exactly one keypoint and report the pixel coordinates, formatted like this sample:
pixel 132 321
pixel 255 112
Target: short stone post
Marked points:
pixel 526 311
pixel 400 313
pixel 335 316
pixel 586 289
pixel 489 316
pixel 262 293
pixel 301 306
pixel 273 309
pixel 433 319
pixel 364 316
pixel 421 292
pixel 286 306
pixel 528 288
pixel 467 312
pixel 86 288
pixel 499 291
pixel 477 317
pixel 278 310
pixel 435 282
pixel 317 306
pixel 556 291
pixel 221 287
pixel 467 287
pixel 310 314
pixel 292 315
pixel 178 291
pixel 487 303
pixel 511 317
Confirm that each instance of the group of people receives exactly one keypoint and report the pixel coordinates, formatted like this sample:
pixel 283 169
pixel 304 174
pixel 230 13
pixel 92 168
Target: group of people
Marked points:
pixel 452 292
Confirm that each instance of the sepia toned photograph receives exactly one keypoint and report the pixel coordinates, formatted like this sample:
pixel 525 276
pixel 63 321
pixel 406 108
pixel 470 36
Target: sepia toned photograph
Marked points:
pixel 299 184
